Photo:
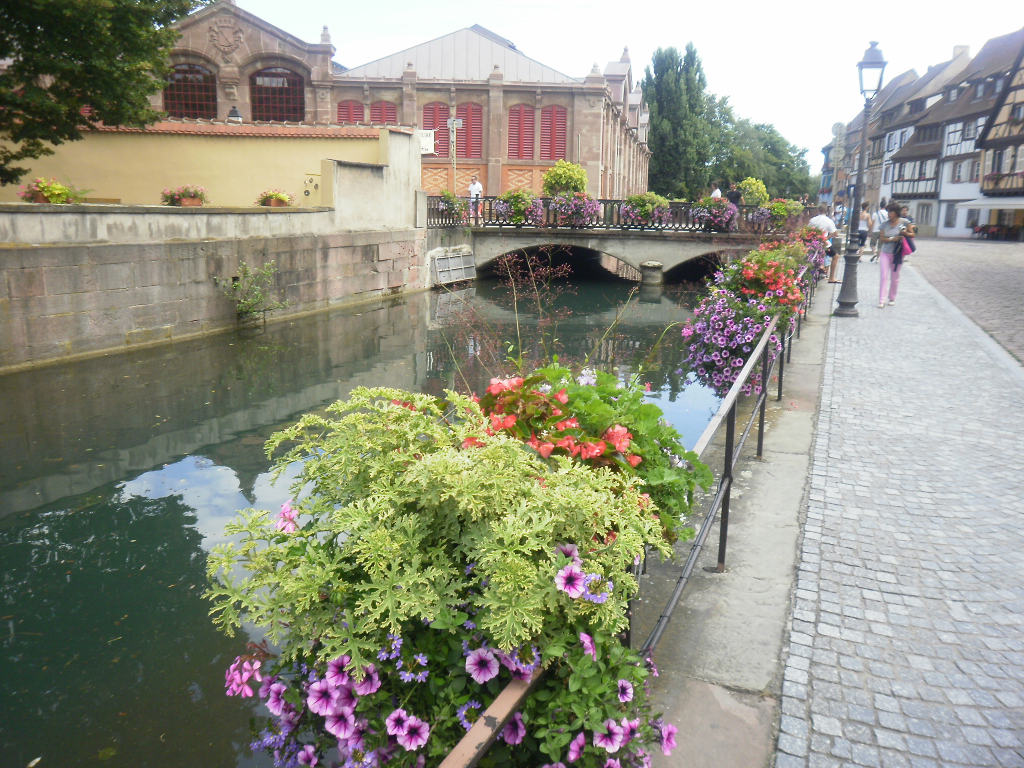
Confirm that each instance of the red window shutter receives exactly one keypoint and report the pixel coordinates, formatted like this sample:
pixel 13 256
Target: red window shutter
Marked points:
pixel 350 111
pixel 383 113
pixel 470 136
pixel 552 133
pixel 435 118
pixel 520 132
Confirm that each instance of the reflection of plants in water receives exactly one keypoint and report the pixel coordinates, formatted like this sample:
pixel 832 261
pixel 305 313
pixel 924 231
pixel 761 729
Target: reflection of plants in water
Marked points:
pixel 106 637
pixel 258 364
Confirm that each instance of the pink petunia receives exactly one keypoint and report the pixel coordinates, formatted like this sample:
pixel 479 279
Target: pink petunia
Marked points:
pixel 588 645
pixel 514 730
pixel 571 580
pixel 481 665
pixel 668 738
pixel 569 550
pixel 275 698
pixel 370 683
pixel 576 747
pixel 625 691
pixel 336 674
pixel 341 725
pixel 612 762
pixel 319 698
pixel 397 722
pixel 307 755
pixel 630 730
pixel 415 735
pixel 611 739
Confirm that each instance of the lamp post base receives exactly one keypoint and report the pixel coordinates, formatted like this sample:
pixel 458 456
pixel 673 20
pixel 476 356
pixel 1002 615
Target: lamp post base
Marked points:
pixel 848 293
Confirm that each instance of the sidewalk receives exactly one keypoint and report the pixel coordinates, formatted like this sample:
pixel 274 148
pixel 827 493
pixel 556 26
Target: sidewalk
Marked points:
pixel 872 609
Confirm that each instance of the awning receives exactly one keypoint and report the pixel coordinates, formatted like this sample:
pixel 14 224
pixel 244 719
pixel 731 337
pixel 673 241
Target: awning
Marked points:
pixel 994 203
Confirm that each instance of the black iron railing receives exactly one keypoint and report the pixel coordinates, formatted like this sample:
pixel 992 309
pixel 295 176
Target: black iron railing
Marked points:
pixel 682 217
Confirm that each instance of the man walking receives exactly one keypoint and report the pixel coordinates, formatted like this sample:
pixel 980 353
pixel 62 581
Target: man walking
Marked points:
pixel 878 220
pixel 829 229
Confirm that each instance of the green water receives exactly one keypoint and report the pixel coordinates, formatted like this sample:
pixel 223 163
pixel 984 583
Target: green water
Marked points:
pixel 117 475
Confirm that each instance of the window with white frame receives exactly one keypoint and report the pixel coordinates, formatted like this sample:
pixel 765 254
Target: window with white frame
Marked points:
pixel 950 219
pixel 958 172
pixel 954 133
pixel 975 170
pixel 970 130
pixel 924 214
pixel 887 175
pixel 973 216
pixel 904 135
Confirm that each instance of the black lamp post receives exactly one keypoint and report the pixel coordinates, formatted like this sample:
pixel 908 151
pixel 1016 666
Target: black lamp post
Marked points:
pixel 869 70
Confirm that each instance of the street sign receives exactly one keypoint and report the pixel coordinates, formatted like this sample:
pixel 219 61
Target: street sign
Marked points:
pixel 454 122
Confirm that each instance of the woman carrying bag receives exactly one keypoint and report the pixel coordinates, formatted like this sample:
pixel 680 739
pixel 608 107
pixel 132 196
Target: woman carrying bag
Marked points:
pixel 891 252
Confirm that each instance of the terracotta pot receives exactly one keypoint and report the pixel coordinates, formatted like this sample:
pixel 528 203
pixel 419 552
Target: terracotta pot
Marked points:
pixel 275 202
pixel 38 197
pixel 191 202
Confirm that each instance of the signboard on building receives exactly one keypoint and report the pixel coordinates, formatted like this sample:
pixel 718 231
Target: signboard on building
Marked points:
pixel 426 142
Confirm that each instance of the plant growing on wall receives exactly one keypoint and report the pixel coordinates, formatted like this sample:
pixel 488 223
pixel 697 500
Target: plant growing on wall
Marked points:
pixel 50 191
pixel 565 178
pixel 250 290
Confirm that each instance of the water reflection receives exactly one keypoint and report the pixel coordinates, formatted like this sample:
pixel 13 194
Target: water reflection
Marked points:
pixel 118 474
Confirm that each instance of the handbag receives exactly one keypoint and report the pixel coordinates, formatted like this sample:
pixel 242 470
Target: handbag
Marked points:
pixel 905 248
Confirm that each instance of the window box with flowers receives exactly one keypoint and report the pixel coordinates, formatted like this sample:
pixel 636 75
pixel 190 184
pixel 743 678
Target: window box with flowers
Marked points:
pixel 274 198
pixel 185 196
pixel 50 191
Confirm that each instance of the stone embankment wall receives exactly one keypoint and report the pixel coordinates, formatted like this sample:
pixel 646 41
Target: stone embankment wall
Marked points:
pixel 81 280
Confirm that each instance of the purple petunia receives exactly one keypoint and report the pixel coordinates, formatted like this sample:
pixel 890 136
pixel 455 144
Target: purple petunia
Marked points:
pixel 668 737
pixel 321 697
pixel 576 747
pixel 275 699
pixel 630 730
pixel 481 665
pixel 341 724
pixel 625 691
pixel 307 755
pixel 415 735
pixel 514 730
pixel 588 645
pixel 571 580
pixel 336 674
pixel 611 739
pixel 370 683
pixel 396 722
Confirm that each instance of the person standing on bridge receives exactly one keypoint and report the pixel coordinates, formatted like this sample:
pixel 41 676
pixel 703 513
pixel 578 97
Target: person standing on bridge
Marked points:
pixel 829 229
pixel 476 189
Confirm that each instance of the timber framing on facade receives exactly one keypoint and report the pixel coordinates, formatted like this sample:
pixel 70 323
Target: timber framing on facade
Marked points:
pixel 948 144
pixel 494 112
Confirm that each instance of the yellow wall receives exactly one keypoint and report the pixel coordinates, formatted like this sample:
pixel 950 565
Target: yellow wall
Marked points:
pixel 133 168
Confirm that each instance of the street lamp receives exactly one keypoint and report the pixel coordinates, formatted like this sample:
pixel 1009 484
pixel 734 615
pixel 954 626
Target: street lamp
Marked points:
pixel 869 71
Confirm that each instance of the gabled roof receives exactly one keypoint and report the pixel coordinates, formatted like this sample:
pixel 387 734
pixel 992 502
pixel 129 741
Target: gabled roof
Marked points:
pixel 466 54
pixel 995 56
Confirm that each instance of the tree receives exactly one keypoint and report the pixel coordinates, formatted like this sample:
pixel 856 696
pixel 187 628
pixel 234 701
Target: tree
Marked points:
pixel 71 64
pixel 679 133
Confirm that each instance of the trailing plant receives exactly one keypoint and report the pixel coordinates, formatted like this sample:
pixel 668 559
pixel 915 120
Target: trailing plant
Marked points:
pixel 715 213
pixel 564 178
pixel 754 191
pixel 423 563
pixel 520 206
pixel 267 195
pixel 576 209
pixel 450 205
pixel 769 276
pixel 52 191
pixel 175 196
pixel 250 289
pixel 646 209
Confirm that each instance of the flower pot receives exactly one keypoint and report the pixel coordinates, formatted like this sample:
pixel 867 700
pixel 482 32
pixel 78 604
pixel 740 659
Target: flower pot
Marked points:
pixel 191 202
pixel 275 202
pixel 38 197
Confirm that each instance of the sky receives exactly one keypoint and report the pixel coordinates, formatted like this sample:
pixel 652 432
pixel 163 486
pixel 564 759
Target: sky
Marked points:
pixel 792 64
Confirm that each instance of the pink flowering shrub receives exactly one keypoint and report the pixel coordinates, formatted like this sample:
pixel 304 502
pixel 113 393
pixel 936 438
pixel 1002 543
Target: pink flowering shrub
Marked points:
pixel 427 559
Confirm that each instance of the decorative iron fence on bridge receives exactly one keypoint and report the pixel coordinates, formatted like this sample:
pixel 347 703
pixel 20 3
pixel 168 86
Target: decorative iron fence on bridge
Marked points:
pixel 682 217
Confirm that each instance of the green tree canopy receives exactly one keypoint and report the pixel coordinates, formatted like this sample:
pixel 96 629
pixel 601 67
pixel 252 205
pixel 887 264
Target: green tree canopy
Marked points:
pixel 63 56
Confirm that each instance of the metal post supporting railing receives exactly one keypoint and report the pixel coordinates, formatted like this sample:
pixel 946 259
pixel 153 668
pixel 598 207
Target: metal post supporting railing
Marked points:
pixel 723 531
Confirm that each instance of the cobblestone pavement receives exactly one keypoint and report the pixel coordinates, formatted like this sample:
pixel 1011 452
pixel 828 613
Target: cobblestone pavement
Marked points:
pixel 906 643
pixel 985 279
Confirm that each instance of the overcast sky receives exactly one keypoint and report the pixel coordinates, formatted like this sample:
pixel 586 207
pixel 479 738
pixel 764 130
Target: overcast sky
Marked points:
pixel 792 64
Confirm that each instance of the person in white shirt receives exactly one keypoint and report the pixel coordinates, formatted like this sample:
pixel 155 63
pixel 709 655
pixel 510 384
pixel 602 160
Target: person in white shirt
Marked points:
pixel 829 229
pixel 476 189
pixel 716 192
pixel 878 220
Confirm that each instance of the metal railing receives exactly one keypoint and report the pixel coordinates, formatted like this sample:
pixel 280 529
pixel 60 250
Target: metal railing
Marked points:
pixel 485 730
pixel 682 218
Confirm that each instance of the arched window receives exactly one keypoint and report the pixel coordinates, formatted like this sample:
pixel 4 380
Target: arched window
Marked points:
pixel 435 118
pixel 469 138
pixel 383 113
pixel 350 111
pixel 552 133
pixel 277 94
pixel 520 132
pixel 191 92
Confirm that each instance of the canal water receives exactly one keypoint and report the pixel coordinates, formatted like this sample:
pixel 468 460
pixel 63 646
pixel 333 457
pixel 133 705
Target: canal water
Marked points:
pixel 117 475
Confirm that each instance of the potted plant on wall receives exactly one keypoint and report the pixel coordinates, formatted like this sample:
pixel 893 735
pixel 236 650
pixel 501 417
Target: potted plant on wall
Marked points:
pixel 274 198
pixel 185 196
pixel 50 191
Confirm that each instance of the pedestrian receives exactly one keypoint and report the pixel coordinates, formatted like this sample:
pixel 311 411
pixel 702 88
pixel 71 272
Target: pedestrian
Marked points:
pixel 911 232
pixel 890 255
pixel 829 229
pixel 476 189
pixel 863 226
pixel 716 191
pixel 878 220
pixel 734 195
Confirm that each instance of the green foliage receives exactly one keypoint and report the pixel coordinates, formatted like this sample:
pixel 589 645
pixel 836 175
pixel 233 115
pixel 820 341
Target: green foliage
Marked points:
pixel 64 55
pixel 754 191
pixel 249 290
pixel 175 196
pixel 412 520
pixel 453 206
pixel 564 178
pixel 647 203
pixel 521 206
pixel 52 190
pixel 267 195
